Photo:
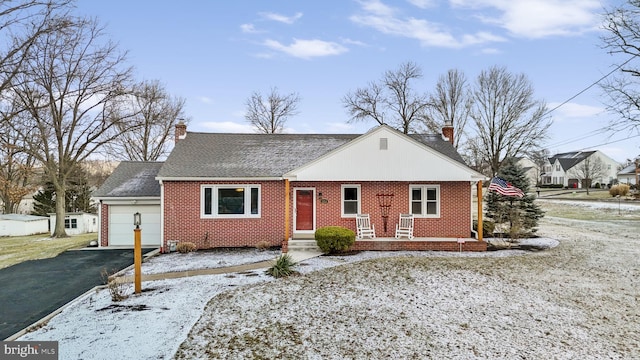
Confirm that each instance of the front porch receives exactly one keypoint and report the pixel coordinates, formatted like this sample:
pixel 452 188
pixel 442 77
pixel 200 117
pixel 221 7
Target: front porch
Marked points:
pixel 402 244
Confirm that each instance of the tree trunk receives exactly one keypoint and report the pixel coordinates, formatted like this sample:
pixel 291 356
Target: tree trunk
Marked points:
pixel 59 231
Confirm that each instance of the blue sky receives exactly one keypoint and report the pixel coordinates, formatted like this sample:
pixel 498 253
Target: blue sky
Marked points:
pixel 216 53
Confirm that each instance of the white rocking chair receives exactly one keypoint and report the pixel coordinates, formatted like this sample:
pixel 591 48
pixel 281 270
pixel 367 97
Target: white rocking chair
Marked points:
pixel 404 227
pixel 364 227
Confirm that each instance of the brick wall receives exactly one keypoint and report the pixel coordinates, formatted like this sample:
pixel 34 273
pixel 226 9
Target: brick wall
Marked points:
pixel 455 207
pixel 104 224
pixel 182 220
pixel 413 245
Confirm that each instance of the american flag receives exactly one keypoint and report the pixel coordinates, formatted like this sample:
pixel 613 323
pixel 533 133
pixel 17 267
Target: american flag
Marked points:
pixel 501 186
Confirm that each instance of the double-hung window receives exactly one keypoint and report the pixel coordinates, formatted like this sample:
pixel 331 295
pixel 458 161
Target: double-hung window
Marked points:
pixel 424 200
pixel 70 223
pixel 230 201
pixel 350 199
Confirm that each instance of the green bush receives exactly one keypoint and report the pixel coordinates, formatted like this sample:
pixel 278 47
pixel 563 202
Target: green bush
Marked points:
pixel 331 239
pixel 487 227
pixel 620 189
pixel 282 267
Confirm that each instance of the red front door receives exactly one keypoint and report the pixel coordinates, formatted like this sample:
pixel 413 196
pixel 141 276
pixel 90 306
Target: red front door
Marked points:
pixel 304 210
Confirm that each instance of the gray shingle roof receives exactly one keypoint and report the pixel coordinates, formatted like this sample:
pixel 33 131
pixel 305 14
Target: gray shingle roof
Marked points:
pixel 132 179
pixel 262 155
pixel 570 159
pixel 628 170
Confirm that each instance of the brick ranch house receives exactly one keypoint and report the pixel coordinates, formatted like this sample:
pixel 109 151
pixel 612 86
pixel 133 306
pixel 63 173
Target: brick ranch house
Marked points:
pixel 236 190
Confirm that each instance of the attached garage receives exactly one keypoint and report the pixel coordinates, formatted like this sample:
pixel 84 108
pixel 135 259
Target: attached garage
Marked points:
pixel 121 225
pixel 131 188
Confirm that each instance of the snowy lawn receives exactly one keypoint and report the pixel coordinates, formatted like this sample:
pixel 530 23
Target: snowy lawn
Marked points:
pixel 576 300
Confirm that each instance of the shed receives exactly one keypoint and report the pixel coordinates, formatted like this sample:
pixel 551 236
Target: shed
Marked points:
pixel 22 225
pixel 76 223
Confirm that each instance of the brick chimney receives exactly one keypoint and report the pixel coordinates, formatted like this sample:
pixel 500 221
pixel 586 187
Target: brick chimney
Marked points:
pixel 181 131
pixel 447 131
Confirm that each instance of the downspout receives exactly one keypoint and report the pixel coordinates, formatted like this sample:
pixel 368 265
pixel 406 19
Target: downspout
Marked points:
pixel 480 224
pixel 163 248
pixel 99 224
pixel 285 242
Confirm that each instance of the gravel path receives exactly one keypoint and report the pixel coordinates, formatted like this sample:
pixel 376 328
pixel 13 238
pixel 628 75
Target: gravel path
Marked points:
pixel 576 301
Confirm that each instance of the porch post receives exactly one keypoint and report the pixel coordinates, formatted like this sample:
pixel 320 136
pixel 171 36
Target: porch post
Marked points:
pixel 285 242
pixel 480 225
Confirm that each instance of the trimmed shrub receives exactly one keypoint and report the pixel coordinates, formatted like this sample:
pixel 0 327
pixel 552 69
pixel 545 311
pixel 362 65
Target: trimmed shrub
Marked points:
pixel 282 267
pixel 620 189
pixel 263 245
pixel 331 239
pixel 186 247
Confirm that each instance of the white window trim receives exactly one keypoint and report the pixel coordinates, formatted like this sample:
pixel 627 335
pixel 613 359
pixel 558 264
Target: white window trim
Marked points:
pixel 214 201
pixel 359 194
pixel 424 188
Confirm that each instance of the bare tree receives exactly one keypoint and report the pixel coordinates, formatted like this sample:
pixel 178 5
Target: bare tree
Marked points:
pixel 16 170
pixel 508 121
pixel 590 168
pixel 539 158
pixel 390 101
pixel 158 112
pixel 21 23
pixel 71 85
pixel 623 27
pixel 451 104
pixel 270 115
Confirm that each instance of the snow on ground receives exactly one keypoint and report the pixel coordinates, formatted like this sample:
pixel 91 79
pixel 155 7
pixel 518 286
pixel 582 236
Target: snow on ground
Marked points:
pixel 578 300
pixel 175 262
pixel 153 324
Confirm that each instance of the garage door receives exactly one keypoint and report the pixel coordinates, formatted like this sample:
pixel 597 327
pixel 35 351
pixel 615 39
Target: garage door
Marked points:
pixel 121 225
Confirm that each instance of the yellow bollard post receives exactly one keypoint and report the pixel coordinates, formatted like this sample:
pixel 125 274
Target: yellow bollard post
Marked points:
pixel 137 259
pixel 137 252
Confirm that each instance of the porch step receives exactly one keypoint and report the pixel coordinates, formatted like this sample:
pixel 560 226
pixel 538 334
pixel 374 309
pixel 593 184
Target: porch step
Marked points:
pixel 303 244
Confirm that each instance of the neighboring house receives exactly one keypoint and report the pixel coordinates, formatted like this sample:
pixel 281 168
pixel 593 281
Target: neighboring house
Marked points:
pixel 629 174
pixel 236 190
pixel 568 169
pixel 22 225
pixel 530 170
pixel 76 223
pixel 131 188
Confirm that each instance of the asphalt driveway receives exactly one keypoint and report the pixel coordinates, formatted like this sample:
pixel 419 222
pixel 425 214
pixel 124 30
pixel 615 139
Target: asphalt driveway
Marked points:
pixel 33 289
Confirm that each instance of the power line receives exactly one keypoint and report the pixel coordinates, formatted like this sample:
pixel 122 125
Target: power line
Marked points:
pixel 581 137
pixel 611 142
pixel 590 86
pixel 593 132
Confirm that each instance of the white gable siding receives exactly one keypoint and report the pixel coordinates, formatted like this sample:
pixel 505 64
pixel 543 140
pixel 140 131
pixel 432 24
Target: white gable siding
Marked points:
pixel 368 159
pixel 609 171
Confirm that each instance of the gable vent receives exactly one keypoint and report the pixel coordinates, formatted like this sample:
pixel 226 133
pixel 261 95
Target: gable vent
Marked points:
pixel 384 143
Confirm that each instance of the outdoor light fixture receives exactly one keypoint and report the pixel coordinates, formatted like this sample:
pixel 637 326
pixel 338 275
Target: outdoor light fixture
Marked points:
pixel 137 219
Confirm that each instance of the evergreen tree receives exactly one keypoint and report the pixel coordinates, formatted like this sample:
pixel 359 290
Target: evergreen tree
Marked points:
pixel 77 197
pixel 44 202
pixel 521 215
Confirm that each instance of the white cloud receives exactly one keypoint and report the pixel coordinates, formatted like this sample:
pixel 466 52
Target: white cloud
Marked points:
pixel 249 29
pixel 306 49
pixel 384 19
pixel 423 4
pixel 205 99
pixel 574 110
pixel 352 42
pixel 537 18
pixel 281 18
pixel 339 128
pixel 228 127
